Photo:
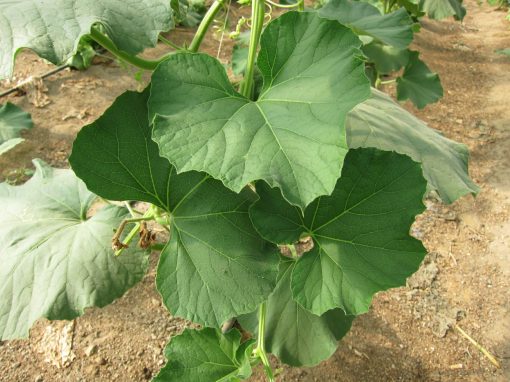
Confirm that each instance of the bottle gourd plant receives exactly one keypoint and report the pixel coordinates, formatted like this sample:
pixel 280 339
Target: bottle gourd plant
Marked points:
pixel 302 147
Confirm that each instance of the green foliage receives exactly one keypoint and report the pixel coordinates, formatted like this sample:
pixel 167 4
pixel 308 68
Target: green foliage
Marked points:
pixel 381 123
pixel 395 28
pixel 309 150
pixel 360 232
pixel 55 32
pixel 295 335
pixel 441 9
pixel 418 83
pixel 207 220
pixel 315 78
pixel 207 355
pixel 57 261
pixel 13 120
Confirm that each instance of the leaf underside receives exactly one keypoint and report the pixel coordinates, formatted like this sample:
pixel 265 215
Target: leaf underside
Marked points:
pixel 55 261
pixel 312 77
pixel 381 123
pixel 361 232
pixel 215 265
pixel 53 28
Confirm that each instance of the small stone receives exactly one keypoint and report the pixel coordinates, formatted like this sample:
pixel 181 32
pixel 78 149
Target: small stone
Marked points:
pixel 90 350
pixel 101 361
pixel 39 378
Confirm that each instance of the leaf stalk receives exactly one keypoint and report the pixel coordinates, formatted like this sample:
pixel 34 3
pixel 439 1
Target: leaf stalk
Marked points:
pixel 260 350
pixel 204 25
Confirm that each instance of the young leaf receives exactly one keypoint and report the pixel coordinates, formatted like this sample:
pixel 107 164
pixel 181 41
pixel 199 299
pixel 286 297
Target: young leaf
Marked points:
pixel 418 83
pixel 381 123
pixel 395 28
pixel 213 249
pixel 361 232
pixel 12 121
pixel 55 260
pixel 292 137
pixel 296 336
pixel 53 28
pixel 440 9
pixel 206 355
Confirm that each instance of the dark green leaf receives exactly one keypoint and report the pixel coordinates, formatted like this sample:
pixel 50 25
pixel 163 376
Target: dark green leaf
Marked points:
pixel 395 28
pixel 418 83
pixel 360 232
pixel 53 28
pixel 387 59
pixel 55 261
pixel 215 266
pixel 206 355
pixel 312 77
pixel 12 121
pixel 296 336
pixel 381 123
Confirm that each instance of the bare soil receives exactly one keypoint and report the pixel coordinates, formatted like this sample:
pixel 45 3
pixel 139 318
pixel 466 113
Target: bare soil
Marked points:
pixel 409 334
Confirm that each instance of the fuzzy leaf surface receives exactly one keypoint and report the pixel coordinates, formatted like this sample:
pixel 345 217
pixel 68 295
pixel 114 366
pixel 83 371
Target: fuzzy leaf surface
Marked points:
pixel 418 83
pixel 53 28
pixel 395 28
pixel 55 261
pixel 292 136
pixel 295 335
pixel 361 232
pixel 12 121
pixel 215 265
pixel 382 123
pixel 207 355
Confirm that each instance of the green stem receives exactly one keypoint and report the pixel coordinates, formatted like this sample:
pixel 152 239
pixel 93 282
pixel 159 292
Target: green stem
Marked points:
pixel 257 24
pixel 301 6
pixel 387 82
pixel 261 350
pixel 204 25
pixel 108 44
pixel 149 215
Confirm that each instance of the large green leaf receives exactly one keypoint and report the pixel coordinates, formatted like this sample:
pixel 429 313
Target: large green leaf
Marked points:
pixel 215 265
pixel 53 28
pixel 12 121
pixel 292 137
pixel 206 355
pixel 395 28
pixel 361 232
pixel 440 9
pixel 381 123
pixel 296 336
pixel 55 260
pixel 418 83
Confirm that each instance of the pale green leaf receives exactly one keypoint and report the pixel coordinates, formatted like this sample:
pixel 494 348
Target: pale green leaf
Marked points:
pixel 215 265
pixel 53 28
pixel 206 355
pixel 360 233
pixel 296 336
pixel 440 9
pixel 395 28
pixel 55 260
pixel 418 83
pixel 292 137
pixel 381 123
pixel 10 144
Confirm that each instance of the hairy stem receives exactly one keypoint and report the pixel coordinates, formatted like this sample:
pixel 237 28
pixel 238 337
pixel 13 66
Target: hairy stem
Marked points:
pixel 108 44
pixel 261 350
pixel 204 25
pixel 257 23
